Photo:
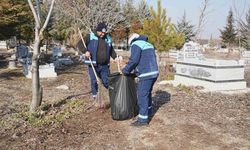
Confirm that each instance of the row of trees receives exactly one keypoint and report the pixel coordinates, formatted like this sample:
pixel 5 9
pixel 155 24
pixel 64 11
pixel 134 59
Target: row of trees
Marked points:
pixel 122 18
pixel 69 15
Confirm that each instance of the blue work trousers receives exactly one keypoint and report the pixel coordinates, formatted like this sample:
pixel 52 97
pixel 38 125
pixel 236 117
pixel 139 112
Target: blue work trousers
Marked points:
pixel 144 93
pixel 102 72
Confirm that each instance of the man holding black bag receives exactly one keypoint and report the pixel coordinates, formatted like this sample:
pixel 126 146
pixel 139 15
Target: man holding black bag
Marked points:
pixel 143 62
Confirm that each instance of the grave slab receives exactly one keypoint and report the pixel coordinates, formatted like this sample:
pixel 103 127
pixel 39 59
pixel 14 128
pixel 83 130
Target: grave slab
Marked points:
pixel 211 74
pixel 45 71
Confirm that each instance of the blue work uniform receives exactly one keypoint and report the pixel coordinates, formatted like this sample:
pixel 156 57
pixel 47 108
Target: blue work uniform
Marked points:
pixel 143 61
pixel 102 70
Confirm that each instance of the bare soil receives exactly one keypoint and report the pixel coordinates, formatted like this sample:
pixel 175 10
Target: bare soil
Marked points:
pixel 184 118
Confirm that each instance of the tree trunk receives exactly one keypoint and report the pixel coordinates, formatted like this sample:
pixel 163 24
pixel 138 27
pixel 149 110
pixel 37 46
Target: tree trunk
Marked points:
pixel 36 88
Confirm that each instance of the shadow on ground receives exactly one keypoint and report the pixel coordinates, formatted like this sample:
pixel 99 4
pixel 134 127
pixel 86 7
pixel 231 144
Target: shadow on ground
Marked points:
pixel 160 98
pixel 71 69
pixel 10 74
pixel 65 100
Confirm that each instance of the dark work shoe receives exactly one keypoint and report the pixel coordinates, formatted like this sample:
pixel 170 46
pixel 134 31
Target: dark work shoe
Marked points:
pixel 138 124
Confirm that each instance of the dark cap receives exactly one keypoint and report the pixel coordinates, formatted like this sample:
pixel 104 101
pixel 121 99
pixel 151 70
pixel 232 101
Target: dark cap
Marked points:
pixel 102 27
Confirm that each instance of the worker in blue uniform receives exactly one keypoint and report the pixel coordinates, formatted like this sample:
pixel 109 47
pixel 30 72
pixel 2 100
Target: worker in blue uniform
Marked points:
pixel 99 49
pixel 143 62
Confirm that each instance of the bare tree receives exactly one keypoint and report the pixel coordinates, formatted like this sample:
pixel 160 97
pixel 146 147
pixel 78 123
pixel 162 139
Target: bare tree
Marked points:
pixel 202 18
pixel 129 11
pixel 143 11
pixel 39 28
pixel 239 11
pixel 87 13
pixel 245 32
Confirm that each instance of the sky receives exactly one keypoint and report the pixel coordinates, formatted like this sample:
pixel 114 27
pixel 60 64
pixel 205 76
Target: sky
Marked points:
pixel 216 16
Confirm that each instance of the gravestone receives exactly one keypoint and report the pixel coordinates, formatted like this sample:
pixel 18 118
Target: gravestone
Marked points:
pixel 211 74
pixel 12 62
pixel 222 50
pixel 174 53
pixel 191 50
pixel 3 45
pixel 57 52
pixel 246 57
pixel 45 71
pixel 246 54
pixel 60 62
pixel 43 48
pixel 22 51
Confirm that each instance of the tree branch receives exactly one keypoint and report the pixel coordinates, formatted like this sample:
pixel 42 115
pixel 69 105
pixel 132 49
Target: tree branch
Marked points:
pixel 48 17
pixel 34 13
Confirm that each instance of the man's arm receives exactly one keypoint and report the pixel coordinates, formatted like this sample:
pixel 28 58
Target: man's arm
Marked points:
pixel 113 53
pixel 133 60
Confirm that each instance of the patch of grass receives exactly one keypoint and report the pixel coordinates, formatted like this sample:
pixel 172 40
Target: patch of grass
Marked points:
pixel 32 118
pixel 2 123
pixel 77 105
pixel 52 119
pixel 184 88
pixel 16 116
pixel 47 114
pixel 169 77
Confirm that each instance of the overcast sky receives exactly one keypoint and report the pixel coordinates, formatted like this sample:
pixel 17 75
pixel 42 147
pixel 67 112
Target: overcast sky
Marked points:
pixel 216 19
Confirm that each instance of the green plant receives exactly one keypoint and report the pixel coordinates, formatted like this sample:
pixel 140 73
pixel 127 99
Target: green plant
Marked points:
pixel 169 77
pixel 184 88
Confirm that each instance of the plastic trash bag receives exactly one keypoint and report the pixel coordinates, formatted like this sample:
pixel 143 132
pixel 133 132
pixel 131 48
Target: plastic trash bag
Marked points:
pixel 123 97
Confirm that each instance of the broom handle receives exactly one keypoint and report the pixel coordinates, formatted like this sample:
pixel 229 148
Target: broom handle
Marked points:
pixel 89 57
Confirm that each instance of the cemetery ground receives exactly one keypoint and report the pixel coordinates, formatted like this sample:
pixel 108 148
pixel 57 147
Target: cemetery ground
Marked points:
pixel 184 117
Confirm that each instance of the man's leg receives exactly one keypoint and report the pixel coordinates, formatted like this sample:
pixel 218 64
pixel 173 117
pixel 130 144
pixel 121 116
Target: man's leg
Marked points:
pixel 150 107
pixel 94 86
pixel 104 75
pixel 143 99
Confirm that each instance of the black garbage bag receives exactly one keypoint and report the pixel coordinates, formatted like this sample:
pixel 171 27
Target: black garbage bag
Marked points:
pixel 122 94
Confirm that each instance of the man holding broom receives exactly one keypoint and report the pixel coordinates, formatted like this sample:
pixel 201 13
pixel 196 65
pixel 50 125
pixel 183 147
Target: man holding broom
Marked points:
pixel 98 52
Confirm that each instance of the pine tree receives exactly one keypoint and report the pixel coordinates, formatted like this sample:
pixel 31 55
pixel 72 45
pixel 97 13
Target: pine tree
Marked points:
pixel 245 32
pixel 185 28
pixel 228 35
pixel 15 19
pixel 161 31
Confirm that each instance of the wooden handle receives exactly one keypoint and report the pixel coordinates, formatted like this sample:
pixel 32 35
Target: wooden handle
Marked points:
pixel 89 57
